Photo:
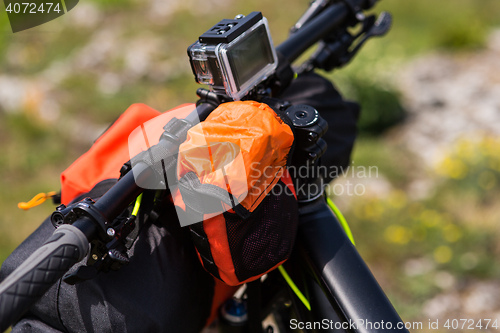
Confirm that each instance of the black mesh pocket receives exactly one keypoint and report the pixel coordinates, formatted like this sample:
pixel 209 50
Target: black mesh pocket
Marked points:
pixel 267 237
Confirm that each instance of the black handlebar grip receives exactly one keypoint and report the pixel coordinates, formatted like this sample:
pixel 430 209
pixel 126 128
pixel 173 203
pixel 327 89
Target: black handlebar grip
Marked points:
pixel 23 287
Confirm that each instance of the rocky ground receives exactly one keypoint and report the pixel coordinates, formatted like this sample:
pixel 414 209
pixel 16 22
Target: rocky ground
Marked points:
pixel 449 97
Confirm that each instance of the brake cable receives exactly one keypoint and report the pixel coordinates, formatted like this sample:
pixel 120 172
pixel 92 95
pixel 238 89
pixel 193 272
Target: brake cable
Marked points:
pixel 287 277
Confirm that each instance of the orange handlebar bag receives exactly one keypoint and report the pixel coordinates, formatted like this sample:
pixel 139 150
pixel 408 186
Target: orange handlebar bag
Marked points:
pixel 235 192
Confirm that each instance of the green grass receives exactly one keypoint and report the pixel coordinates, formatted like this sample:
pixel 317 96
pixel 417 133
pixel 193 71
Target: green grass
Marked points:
pixel 426 24
pixel 393 162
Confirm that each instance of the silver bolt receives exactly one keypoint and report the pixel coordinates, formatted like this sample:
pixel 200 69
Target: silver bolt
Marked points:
pixel 110 232
pixel 239 17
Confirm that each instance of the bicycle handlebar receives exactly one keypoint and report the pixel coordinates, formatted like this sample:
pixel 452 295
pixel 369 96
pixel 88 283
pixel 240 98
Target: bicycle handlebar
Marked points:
pixel 312 32
pixel 332 17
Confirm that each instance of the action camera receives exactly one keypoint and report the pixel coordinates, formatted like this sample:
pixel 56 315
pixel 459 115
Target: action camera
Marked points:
pixel 234 55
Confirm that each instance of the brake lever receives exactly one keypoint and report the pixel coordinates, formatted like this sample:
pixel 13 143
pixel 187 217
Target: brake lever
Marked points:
pixel 334 52
pixel 377 29
pixel 109 251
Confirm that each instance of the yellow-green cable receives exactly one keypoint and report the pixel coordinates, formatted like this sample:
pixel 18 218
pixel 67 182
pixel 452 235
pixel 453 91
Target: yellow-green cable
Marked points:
pixel 341 218
pixel 287 277
pixel 137 205
pixel 294 288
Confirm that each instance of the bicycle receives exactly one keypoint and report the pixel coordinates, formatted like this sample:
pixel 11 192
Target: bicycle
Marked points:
pixel 325 263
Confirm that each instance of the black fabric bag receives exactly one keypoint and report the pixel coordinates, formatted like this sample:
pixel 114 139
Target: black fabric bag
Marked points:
pixel 341 115
pixel 162 289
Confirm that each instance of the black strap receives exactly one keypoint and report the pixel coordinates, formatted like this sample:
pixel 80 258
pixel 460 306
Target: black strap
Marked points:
pixel 200 240
pixel 97 191
pixel 207 198
pixel 203 198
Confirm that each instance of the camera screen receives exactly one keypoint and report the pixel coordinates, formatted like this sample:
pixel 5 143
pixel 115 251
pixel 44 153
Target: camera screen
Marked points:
pixel 250 55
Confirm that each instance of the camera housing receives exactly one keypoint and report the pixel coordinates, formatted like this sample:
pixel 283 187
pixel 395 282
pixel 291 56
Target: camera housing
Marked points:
pixel 234 55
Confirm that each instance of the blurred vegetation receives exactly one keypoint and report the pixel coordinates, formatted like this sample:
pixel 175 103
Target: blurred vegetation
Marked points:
pixel 381 106
pixel 439 232
pixel 425 237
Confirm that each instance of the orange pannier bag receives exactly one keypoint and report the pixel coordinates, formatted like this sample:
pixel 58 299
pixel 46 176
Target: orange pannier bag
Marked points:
pixel 235 192
pixel 111 150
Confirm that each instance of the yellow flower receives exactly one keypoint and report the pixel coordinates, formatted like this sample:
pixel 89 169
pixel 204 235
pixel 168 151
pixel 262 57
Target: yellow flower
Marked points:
pixel 466 150
pixel 452 233
pixel 397 234
pixel 430 218
pixel 490 146
pixel 443 254
pixel 397 199
pixel 371 211
pixel 453 167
